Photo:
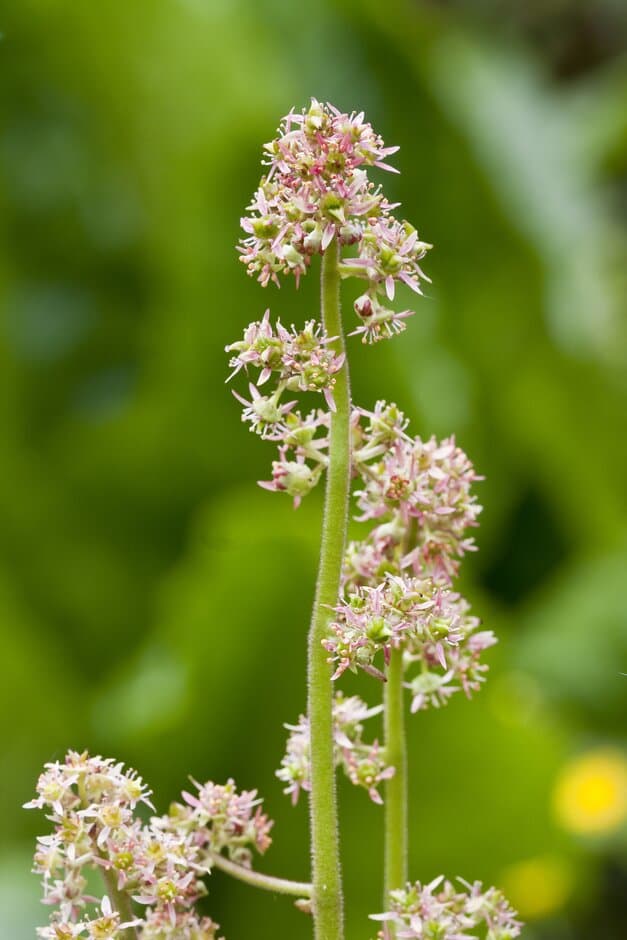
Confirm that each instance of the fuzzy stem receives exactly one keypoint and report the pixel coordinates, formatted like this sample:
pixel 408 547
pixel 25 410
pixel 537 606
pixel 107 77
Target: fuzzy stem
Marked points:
pixel 396 786
pixel 300 889
pixel 327 880
pixel 121 902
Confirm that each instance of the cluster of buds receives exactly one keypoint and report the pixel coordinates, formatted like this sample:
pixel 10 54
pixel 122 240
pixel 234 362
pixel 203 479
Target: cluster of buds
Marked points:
pixel 158 865
pixel 417 493
pixel 439 911
pixel 316 189
pixel 364 764
pixel 424 618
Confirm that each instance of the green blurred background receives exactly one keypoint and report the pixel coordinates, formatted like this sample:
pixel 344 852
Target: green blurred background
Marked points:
pixel 153 601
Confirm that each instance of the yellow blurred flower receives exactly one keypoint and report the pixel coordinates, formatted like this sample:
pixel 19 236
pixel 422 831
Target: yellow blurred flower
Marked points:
pixel 537 887
pixel 590 795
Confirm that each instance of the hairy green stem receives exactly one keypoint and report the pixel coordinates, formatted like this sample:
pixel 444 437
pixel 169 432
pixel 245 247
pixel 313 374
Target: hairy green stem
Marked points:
pixel 327 880
pixel 121 902
pixel 396 786
pixel 300 889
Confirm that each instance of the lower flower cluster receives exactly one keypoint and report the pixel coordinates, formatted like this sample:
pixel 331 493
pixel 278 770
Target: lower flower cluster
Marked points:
pixel 153 872
pixel 440 911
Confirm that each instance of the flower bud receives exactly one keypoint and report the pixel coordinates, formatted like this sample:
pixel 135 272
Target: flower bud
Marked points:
pixel 363 306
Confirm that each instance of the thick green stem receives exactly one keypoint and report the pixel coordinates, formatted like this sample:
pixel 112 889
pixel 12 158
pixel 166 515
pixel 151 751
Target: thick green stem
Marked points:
pixel 300 889
pixel 327 882
pixel 396 786
pixel 121 902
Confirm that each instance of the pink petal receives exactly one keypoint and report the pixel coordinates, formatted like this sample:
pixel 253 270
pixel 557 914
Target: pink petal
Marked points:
pixel 327 236
pixel 411 282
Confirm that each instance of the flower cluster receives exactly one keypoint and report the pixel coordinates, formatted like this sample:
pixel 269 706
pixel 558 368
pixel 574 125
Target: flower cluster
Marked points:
pixel 364 764
pixel 419 495
pixel 316 189
pixel 302 361
pixel 427 620
pixel 439 911
pixel 158 865
pixel 228 821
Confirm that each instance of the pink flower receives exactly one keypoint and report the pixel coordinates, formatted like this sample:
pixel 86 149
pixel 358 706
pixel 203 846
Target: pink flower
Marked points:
pixel 264 412
pixel 378 321
pixel 389 251
pixel 109 925
pixel 302 457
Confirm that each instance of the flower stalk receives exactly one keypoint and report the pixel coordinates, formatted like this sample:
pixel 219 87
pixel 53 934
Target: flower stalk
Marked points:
pixel 327 884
